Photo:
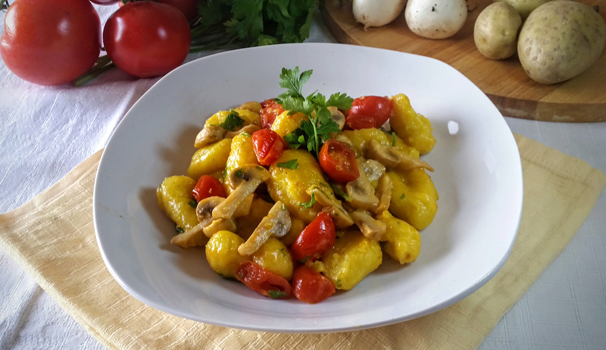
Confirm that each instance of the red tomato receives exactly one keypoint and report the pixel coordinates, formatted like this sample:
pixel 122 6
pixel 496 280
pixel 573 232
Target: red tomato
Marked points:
pixel 314 240
pixel 369 112
pixel 339 161
pixel 147 39
pixel 208 186
pixel 263 281
pixel 105 2
pixel 50 42
pixel 188 7
pixel 310 286
pixel 268 146
pixel 271 109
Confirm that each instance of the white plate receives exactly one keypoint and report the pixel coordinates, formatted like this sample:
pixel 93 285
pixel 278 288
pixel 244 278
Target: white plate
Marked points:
pixel 477 174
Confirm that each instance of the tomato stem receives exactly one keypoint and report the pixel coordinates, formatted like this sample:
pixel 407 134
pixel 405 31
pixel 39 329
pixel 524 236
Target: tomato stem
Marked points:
pixel 92 74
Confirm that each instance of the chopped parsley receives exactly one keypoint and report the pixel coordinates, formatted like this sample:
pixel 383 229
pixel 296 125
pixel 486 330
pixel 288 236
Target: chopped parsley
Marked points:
pixel 304 260
pixel 283 206
pixel 339 283
pixel 340 192
pixel 192 203
pixel 232 121
pixel 282 251
pixel 276 294
pixel 311 203
pixel 245 134
pixel 291 164
pixel 239 173
pixel 402 196
pixel 315 131
pixel 393 134
pixel 179 230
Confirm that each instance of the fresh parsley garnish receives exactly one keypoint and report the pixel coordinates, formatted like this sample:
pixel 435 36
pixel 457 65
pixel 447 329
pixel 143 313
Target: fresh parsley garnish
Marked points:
pixel 283 206
pixel 311 203
pixel 304 260
pixel 232 121
pixel 245 134
pixel 393 134
pixel 291 164
pixel 402 196
pixel 179 230
pixel 338 283
pixel 315 131
pixel 192 203
pixel 340 192
pixel 239 173
pixel 282 251
pixel 276 294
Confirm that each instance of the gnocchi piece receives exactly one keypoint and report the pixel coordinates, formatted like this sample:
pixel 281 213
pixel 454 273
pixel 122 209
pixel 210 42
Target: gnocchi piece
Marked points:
pixel 247 224
pixel 284 124
pixel 401 242
pixel 351 259
pixel 361 138
pixel 222 253
pixel 275 257
pixel 174 196
pixel 411 126
pixel 250 117
pixel 209 159
pixel 297 226
pixel 413 197
pixel 241 154
pixel 289 185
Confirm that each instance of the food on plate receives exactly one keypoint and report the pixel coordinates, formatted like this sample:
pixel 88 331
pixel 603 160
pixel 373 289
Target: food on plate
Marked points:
pixel 302 195
pixel 50 42
pixel 560 40
pixel 524 7
pixel 435 19
pixel 376 13
pixel 496 31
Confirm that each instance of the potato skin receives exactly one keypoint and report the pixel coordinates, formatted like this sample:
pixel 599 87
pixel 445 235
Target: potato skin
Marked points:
pixel 496 31
pixel 524 7
pixel 222 253
pixel 351 259
pixel 275 257
pixel 413 197
pixel 414 129
pixel 402 242
pixel 560 40
pixel 174 195
pixel 209 159
pixel 290 185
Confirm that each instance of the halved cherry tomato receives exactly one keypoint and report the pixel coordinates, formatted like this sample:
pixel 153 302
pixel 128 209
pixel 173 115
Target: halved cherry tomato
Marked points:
pixel 314 240
pixel 268 146
pixel 263 281
pixel 271 109
pixel 339 161
pixel 208 186
pixel 369 112
pixel 310 286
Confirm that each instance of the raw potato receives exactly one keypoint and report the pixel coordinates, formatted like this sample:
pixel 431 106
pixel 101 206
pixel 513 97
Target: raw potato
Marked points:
pixel 524 7
pixel 560 40
pixel 496 31
pixel 435 19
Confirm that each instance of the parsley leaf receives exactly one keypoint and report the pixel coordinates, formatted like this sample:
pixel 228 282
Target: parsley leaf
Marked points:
pixel 276 294
pixel 311 203
pixel 291 164
pixel 192 203
pixel 340 192
pixel 232 121
pixel 304 260
pixel 239 173
pixel 393 134
pixel 339 283
pixel 340 100
pixel 293 82
pixel 179 230
pixel 402 196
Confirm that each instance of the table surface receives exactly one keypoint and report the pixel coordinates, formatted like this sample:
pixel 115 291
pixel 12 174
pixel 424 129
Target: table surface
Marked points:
pixel 46 131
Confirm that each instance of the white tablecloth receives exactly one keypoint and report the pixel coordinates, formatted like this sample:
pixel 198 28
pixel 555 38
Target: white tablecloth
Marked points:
pixel 47 131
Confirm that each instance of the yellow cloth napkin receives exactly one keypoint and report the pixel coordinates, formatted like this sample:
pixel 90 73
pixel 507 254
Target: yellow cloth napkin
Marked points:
pixel 52 237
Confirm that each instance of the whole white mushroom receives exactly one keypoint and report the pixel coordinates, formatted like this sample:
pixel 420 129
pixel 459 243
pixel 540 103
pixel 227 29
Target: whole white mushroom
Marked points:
pixel 436 19
pixel 376 13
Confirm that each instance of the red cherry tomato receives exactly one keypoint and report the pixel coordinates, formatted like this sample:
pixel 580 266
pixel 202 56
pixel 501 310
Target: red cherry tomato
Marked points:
pixel 105 2
pixel 188 7
pixel 339 161
pixel 310 286
pixel 314 240
pixel 50 42
pixel 147 39
pixel 271 109
pixel 369 112
pixel 263 281
pixel 268 146
pixel 208 186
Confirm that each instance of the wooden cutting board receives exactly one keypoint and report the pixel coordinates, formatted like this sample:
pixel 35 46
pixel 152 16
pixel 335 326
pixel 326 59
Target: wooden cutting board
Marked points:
pixel 581 99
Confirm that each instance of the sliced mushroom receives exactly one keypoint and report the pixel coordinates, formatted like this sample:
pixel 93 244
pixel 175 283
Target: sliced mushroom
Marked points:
pixel 337 116
pixel 250 129
pixel 384 194
pixel 277 223
pixel 220 225
pixel 342 138
pixel 373 169
pixel 204 210
pixel 370 227
pixel 193 237
pixel 361 192
pixel 394 158
pixel 246 179
pixel 210 134
pixel 333 207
